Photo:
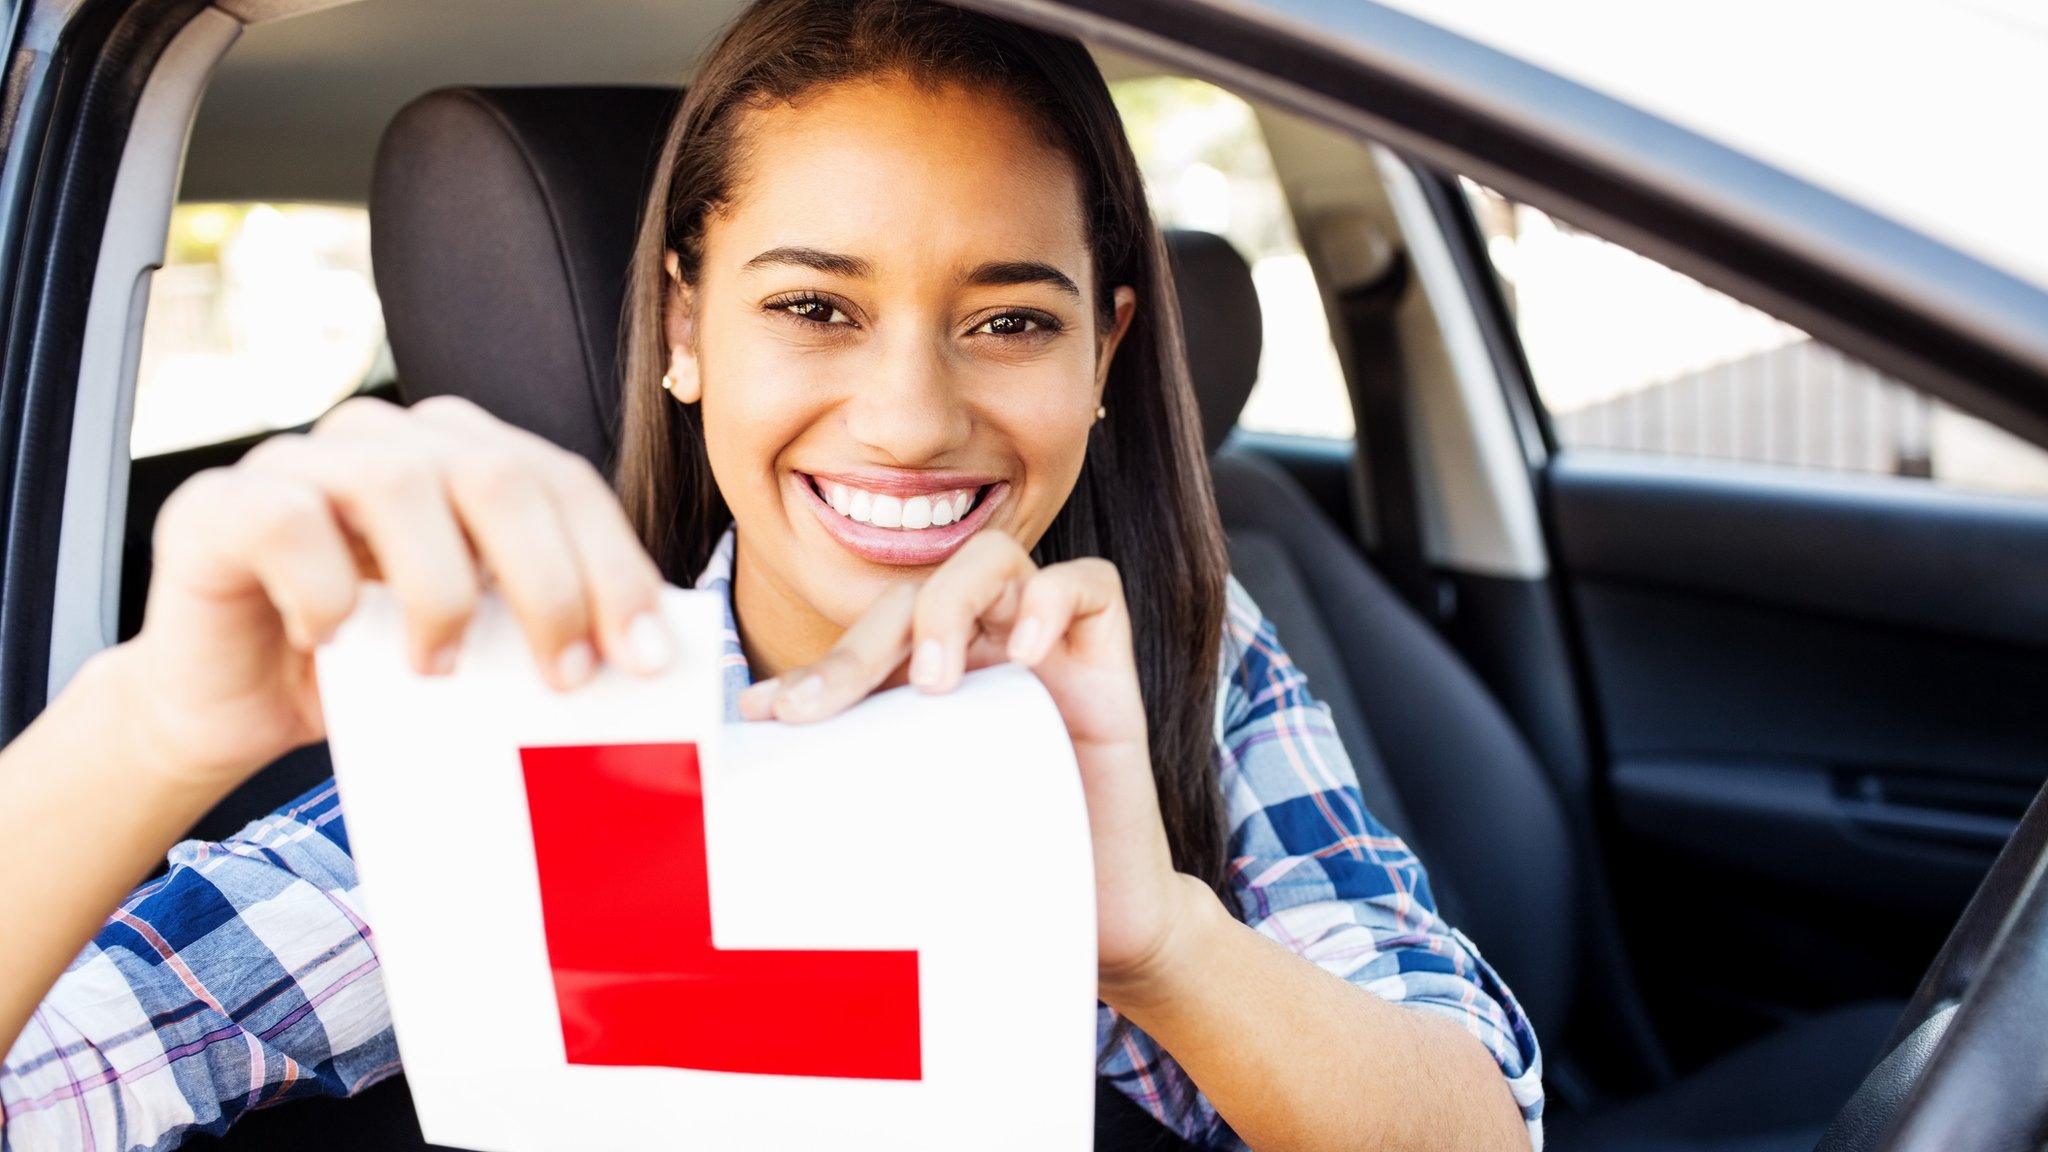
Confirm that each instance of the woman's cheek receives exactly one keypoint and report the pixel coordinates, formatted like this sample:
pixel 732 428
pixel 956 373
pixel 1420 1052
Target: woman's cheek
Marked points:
pixel 767 402
pixel 753 411
pixel 1047 419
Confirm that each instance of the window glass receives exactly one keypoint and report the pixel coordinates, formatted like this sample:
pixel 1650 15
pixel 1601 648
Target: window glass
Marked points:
pixel 1629 355
pixel 262 316
pixel 1206 167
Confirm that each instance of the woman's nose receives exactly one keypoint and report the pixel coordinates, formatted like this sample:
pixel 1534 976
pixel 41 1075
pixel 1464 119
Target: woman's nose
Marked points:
pixel 911 410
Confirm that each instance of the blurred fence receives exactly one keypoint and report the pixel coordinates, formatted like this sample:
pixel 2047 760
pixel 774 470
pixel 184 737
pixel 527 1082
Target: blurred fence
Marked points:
pixel 188 312
pixel 1800 403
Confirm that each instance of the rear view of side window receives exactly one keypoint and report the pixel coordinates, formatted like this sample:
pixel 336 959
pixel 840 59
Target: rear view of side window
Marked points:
pixel 1207 168
pixel 1631 356
pixel 262 317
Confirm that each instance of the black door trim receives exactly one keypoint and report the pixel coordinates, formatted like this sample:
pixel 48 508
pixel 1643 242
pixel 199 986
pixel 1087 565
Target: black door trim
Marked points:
pixel 79 70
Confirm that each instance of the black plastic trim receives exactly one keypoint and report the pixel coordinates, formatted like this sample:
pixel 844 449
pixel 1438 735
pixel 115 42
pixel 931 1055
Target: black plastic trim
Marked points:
pixel 1503 340
pixel 1881 549
pixel 83 101
pixel 1798 825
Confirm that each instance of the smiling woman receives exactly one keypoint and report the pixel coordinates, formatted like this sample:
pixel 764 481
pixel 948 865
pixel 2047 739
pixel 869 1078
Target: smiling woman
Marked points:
pixel 967 341
pixel 903 382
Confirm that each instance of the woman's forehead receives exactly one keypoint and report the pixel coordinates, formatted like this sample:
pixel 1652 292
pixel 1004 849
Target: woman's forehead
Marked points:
pixel 902 171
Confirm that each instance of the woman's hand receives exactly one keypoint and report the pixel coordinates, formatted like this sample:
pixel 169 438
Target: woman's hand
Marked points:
pixel 1068 622
pixel 258 563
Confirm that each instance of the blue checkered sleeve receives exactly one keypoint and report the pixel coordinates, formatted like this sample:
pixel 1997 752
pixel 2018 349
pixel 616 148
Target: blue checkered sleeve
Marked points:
pixel 242 977
pixel 1311 868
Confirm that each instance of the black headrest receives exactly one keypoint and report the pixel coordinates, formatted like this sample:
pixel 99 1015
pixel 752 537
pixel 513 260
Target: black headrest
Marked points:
pixel 1219 311
pixel 502 221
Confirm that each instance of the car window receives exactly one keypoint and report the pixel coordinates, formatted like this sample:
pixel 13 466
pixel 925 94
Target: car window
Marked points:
pixel 1814 89
pixel 262 316
pixel 1629 355
pixel 1206 167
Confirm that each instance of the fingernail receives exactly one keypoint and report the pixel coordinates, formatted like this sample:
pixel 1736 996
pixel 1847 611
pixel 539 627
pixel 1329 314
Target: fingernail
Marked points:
pixel 574 664
pixel 806 692
pixel 927 662
pixel 757 700
pixel 647 643
pixel 442 661
pixel 1024 639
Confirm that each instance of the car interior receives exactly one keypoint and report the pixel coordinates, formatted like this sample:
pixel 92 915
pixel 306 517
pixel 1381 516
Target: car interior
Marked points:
pixel 1706 756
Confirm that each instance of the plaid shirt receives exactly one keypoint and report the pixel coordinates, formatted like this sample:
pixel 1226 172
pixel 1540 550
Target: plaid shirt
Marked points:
pixel 245 976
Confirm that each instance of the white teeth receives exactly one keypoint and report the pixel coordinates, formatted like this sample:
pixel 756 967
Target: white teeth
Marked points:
pixel 911 514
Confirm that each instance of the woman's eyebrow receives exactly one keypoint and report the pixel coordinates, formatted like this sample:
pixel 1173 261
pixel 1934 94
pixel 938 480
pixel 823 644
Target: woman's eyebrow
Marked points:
pixel 833 263
pixel 994 274
pixel 1002 274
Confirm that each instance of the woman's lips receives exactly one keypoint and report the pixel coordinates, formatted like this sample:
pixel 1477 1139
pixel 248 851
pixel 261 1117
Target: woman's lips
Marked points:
pixel 906 547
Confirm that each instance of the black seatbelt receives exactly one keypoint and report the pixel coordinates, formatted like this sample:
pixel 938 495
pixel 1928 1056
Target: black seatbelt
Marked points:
pixel 1379 398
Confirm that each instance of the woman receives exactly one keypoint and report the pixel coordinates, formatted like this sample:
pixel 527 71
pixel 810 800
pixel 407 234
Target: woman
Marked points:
pixel 904 380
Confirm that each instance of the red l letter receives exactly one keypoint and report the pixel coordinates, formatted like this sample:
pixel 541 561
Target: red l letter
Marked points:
pixel 618 831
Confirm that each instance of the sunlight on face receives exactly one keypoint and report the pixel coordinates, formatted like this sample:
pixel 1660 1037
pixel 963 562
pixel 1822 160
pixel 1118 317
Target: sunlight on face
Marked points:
pixel 895 332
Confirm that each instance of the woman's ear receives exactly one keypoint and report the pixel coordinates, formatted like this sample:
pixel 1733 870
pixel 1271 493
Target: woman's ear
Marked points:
pixel 1126 306
pixel 679 331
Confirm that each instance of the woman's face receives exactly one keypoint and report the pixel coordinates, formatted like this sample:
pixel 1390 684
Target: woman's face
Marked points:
pixel 894 337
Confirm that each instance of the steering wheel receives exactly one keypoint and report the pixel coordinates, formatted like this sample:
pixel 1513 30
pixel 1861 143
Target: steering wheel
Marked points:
pixel 1967 1067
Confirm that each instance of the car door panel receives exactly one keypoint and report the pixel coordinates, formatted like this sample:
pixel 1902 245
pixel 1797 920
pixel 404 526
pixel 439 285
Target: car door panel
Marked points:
pixel 1896 551
pixel 1692 675
pixel 1824 704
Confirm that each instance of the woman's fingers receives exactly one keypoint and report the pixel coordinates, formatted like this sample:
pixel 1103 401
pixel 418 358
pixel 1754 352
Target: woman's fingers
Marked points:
pixel 623 583
pixel 510 516
pixel 988 599
pixel 1056 601
pixel 279 533
pixel 390 497
pixel 620 583
pixel 541 520
pixel 864 657
pixel 974 591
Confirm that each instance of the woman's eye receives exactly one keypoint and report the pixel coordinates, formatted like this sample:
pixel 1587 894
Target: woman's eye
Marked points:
pixel 1016 324
pixel 816 311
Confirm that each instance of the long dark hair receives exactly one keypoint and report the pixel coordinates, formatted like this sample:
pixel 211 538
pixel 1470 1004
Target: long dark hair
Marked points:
pixel 1142 501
